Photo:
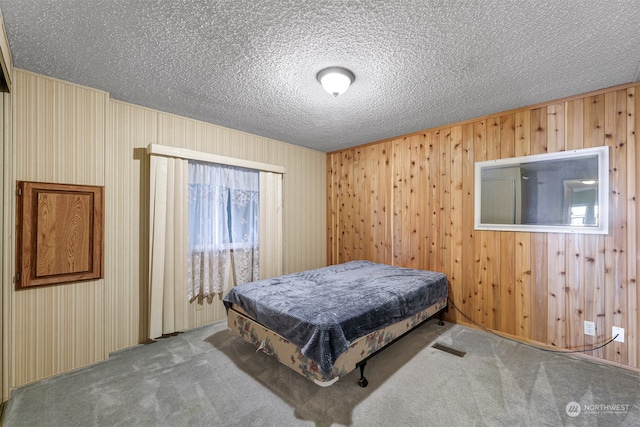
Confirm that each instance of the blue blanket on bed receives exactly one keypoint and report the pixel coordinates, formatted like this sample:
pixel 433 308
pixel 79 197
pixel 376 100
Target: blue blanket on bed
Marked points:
pixel 323 310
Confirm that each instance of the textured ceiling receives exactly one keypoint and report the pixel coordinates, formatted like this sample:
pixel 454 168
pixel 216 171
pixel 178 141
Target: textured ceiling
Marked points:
pixel 251 65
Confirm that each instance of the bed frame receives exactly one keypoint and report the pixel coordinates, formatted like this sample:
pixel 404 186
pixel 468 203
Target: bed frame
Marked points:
pixel 359 352
pixel 362 381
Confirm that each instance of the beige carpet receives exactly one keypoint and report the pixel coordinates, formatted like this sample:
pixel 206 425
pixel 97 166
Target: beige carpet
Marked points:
pixel 209 377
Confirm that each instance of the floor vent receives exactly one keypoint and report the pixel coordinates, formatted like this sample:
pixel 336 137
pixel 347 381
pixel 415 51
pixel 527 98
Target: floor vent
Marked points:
pixel 449 350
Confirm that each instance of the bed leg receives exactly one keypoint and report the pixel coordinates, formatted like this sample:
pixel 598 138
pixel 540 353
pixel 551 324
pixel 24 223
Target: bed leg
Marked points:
pixel 362 382
pixel 440 321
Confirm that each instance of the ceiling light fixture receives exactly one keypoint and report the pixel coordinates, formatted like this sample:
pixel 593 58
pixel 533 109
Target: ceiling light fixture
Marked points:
pixel 335 80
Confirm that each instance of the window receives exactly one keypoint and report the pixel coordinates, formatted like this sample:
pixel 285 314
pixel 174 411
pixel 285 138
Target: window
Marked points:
pixel 177 275
pixel 223 212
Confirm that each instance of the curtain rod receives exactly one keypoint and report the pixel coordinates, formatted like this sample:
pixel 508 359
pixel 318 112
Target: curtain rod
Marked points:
pixel 184 153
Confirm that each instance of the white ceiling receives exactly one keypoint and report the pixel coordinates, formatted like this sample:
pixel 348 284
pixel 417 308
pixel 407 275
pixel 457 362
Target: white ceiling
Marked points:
pixel 251 65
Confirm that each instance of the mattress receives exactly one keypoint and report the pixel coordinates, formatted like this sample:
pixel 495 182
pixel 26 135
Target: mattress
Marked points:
pixel 290 354
pixel 324 311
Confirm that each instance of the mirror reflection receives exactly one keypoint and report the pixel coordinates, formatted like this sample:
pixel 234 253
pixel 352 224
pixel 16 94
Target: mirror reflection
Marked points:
pixel 554 190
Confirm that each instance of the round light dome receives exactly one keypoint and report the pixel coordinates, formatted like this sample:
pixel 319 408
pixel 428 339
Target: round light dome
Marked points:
pixel 336 80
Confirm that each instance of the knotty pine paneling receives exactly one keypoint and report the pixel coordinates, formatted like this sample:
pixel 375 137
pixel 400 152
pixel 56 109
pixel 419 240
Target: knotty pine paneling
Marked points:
pixel 537 287
pixel 466 294
pixel 633 228
pixel 374 204
pixel 456 235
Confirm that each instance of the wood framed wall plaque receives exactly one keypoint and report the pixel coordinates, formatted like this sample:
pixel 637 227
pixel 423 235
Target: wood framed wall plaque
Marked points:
pixel 60 233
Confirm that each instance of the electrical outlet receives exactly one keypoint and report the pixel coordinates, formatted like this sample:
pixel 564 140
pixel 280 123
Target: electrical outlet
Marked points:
pixel 619 332
pixel 589 328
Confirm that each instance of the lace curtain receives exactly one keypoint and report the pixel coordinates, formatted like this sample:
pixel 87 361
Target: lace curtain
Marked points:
pixel 223 238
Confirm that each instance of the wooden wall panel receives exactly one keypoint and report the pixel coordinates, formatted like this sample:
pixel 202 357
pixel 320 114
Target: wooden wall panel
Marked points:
pixel 507 276
pixel 578 249
pixel 559 279
pixel 444 187
pixel 467 291
pixel 358 204
pixel 524 298
pixel 345 207
pixel 615 134
pixel 432 202
pixel 456 236
pixel 633 228
pixel 538 287
pixel 381 201
pixel 409 207
pixel 332 207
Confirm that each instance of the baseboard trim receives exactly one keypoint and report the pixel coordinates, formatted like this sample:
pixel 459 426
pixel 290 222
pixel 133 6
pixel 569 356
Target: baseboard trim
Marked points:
pixel 544 346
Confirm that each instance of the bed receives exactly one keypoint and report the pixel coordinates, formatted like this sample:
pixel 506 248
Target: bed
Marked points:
pixel 326 322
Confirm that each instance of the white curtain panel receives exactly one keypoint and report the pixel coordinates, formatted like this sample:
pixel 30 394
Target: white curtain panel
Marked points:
pixel 271 225
pixel 168 246
pixel 224 211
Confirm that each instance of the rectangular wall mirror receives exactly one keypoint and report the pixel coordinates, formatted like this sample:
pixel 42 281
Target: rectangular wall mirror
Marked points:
pixel 564 192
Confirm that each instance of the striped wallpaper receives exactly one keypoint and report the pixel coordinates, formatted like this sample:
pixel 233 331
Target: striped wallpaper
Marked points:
pixel 72 134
